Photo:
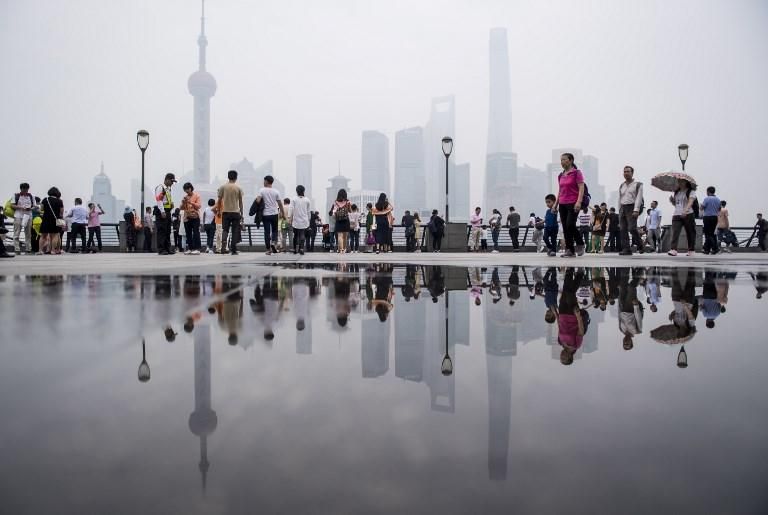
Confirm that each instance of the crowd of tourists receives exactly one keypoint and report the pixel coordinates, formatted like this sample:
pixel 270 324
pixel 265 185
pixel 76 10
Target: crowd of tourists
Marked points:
pixel 571 224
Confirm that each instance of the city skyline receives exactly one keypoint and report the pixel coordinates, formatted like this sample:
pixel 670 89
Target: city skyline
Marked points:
pixel 626 103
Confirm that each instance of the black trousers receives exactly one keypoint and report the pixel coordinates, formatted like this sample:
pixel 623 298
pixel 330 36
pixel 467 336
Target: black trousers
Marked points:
pixel 628 225
pixel 192 229
pixel 568 217
pixel 514 235
pixel 147 239
pixel 710 238
pixel 311 235
pixel 210 233
pixel 78 230
pixel 614 242
pixel 354 240
pixel 299 236
pixel 689 223
pixel 270 230
pixel 761 239
pixel 163 228
pixel 437 240
pixel 94 231
pixel 230 221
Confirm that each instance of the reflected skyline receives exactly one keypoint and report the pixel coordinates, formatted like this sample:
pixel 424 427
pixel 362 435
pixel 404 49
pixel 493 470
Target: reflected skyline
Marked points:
pixel 323 338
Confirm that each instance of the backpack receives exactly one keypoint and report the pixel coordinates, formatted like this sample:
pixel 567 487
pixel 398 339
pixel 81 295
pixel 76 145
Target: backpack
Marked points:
pixel 695 207
pixel 342 213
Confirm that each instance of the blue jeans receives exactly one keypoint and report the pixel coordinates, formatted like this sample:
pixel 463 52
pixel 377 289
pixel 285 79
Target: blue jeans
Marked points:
pixel 550 238
pixel 270 230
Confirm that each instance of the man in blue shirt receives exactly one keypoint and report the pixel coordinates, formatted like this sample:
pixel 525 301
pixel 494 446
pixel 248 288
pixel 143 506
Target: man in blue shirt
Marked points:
pixel 710 207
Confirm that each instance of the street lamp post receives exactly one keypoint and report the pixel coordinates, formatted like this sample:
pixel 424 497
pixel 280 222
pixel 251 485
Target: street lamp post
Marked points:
pixel 682 151
pixel 142 138
pixel 447 149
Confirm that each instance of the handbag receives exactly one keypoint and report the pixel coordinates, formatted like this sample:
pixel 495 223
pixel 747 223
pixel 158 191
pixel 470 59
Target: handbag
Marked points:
pixel 370 240
pixel 60 222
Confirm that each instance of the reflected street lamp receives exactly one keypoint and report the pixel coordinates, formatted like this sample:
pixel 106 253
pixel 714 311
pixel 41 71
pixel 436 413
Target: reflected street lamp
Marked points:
pixel 142 138
pixel 682 151
pixel 447 149
pixel 682 358
pixel 446 367
pixel 144 366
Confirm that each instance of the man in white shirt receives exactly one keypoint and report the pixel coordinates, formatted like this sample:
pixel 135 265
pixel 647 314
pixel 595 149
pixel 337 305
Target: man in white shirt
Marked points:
pixel 79 216
pixel 273 206
pixel 654 226
pixel 209 224
pixel 300 219
pixel 630 207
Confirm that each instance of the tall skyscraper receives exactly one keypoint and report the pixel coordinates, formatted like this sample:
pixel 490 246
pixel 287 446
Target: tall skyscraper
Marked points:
pixel 442 122
pixel 375 162
pixel 338 182
pixel 202 86
pixel 501 162
pixel 102 194
pixel 410 181
pixel 304 174
pixel 458 194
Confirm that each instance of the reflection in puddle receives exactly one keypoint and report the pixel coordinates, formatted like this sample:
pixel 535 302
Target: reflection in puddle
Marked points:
pixel 443 327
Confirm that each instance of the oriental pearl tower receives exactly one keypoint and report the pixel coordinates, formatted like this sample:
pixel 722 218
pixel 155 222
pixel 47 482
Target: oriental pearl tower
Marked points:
pixel 202 86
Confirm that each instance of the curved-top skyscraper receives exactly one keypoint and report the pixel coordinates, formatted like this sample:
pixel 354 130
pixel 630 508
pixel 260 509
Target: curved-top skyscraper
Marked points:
pixel 202 86
pixel 500 161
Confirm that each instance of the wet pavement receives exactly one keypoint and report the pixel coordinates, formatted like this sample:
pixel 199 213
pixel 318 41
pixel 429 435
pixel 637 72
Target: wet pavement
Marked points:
pixel 385 388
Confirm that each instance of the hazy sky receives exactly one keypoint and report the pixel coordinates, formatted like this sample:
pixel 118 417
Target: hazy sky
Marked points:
pixel 624 80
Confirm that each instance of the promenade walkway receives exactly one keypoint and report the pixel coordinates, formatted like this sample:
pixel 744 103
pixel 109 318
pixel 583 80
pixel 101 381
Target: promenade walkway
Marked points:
pixel 148 264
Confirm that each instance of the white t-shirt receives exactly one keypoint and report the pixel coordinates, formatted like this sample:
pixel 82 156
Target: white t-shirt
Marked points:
pixel 354 220
pixel 681 201
pixel 301 212
pixel 654 218
pixel 271 199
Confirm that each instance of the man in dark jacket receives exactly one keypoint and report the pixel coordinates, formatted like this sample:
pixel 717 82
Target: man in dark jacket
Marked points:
pixel 614 231
pixel 410 231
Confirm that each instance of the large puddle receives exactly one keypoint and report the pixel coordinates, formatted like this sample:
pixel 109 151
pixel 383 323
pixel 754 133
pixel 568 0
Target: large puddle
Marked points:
pixel 402 389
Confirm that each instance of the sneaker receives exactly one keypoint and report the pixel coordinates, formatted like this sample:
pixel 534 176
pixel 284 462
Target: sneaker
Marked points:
pixel 269 253
pixel 209 251
pixel 6 255
pixel 234 253
pixel 691 253
pixel 551 253
pixel 274 249
pixel 625 253
pixel 672 252
pixel 494 251
pixel 195 252
pixel 579 250
pixel 301 252
pixel 568 254
pixel 187 252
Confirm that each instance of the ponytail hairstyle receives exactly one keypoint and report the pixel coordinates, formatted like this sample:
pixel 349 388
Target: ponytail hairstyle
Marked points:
pixel 571 159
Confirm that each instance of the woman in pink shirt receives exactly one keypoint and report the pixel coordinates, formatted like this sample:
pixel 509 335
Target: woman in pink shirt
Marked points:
pixel 569 199
pixel 191 205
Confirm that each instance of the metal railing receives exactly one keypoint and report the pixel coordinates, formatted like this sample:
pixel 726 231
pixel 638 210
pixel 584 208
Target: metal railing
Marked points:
pixel 253 237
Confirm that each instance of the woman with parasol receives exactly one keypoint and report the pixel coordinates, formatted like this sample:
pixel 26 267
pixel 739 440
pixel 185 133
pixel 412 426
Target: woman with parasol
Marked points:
pixel 683 198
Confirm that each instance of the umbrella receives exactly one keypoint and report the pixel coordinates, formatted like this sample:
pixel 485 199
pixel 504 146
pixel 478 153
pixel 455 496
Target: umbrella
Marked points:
pixel 671 334
pixel 667 181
